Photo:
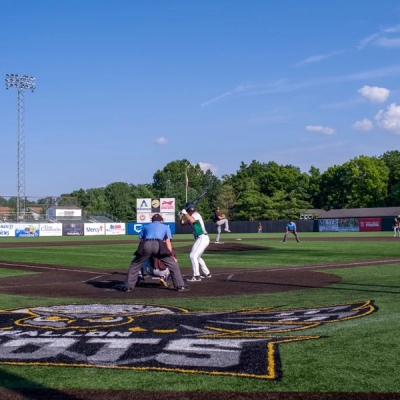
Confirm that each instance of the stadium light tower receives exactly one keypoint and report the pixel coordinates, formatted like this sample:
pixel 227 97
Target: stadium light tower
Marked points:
pixel 21 83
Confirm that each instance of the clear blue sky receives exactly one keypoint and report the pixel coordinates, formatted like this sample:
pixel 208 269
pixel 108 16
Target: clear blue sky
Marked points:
pixel 126 86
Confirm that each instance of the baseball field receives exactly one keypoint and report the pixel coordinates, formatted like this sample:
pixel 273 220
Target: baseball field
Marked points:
pixel 319 319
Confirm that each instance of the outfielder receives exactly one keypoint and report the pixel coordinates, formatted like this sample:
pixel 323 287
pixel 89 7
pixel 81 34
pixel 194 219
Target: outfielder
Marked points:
pixel 291 228
pixel 201 241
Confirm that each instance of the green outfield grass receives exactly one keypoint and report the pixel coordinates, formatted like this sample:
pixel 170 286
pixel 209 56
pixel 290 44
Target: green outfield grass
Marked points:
pixel 360 355
pixel 112 256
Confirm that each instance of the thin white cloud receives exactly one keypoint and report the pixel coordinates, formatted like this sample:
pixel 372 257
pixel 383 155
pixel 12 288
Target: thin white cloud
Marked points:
pixel 374 94
pixel 343 104
pixel 320 129
pixel 364 125
pixel 320 57
pixel 392 29
pixel 387 42
pixel 377 38
pixel 161 141
pixel 389 120
pixel 284 85
pixel 206 166
pixel 363 42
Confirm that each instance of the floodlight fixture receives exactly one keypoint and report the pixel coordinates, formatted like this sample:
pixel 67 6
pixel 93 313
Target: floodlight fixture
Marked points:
pixel 21 83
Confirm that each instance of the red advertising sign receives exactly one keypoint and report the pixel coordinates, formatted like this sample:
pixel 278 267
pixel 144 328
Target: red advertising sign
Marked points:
pixel 369 224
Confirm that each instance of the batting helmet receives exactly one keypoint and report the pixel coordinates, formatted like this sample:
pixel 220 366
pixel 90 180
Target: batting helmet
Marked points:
pixel 190 207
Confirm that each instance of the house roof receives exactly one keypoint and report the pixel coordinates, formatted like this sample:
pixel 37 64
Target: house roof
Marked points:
pixel 361 213
pixel 65 207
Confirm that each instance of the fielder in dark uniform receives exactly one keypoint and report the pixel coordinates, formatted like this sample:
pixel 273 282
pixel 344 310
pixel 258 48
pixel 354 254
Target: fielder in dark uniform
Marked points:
pixel 151 238
pixel 291 228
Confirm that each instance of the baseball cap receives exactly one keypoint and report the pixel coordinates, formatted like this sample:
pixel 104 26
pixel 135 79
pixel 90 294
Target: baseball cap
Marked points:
pixel 156 217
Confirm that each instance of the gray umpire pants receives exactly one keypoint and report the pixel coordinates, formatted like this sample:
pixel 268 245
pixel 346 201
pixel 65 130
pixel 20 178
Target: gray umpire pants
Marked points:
pixel 219 224
pixel 294 233
pixel 151 248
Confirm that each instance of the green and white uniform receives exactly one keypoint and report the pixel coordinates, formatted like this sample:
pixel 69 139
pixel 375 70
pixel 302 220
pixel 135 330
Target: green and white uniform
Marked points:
pixel 202 240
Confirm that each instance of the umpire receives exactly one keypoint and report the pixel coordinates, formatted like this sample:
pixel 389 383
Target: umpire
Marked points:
pixel 291 228
pixel 153 239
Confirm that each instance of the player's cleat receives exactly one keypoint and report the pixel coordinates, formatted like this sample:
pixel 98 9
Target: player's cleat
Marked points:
pixel 205 276
pixel 194 279
pixel 122 288
pixel 216 242
pixel 163 282
pixel 183 288
pixel 226 230
pixel 140 281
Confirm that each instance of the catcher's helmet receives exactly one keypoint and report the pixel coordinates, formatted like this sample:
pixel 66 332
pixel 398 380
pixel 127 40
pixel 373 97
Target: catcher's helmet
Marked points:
pixel 190 207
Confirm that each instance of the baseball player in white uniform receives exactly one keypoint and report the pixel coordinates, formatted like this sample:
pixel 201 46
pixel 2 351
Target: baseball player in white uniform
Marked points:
pixel 201 240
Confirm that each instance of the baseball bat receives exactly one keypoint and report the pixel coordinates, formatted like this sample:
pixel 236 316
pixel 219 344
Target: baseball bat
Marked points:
pixel 199 196
pixel 195 200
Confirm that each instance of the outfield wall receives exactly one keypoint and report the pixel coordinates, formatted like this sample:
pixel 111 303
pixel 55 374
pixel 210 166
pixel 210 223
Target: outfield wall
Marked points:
pixel 134 228
pixel 59 229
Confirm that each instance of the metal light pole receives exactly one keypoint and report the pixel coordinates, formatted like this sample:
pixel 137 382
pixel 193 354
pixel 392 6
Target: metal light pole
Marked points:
pixel 21 83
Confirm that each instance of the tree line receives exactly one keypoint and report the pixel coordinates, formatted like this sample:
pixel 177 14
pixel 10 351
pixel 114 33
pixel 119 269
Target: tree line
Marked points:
pixel 257 191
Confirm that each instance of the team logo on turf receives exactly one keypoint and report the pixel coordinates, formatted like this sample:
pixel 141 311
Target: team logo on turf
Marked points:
pixel 241 343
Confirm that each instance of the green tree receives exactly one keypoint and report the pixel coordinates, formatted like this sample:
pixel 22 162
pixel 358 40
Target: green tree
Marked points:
pixel 171 182
pixel 360 182
pixel 314 187
pixel 118 199
pixel 97 202
pixel 226 201
pixel 250 203
pixel 392 161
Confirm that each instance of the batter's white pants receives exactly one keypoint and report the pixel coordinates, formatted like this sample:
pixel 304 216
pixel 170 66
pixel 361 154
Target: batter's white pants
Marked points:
pixel 200 244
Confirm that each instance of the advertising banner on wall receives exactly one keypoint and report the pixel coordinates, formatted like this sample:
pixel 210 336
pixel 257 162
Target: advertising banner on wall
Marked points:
pixel 115 228
pixel 155 205
pixel 26 230
pixel 169 217
pixel 167 205
pixel 73 229
pixel 328 225
pixel 348 225
pixel 143 218
pixel 7 230
pixel 135 228
pixel 143 205
pixel 370 224
pixel 53 229
pixel 92 229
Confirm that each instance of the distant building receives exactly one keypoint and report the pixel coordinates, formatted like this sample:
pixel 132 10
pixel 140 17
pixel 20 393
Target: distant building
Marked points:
pixel 60 212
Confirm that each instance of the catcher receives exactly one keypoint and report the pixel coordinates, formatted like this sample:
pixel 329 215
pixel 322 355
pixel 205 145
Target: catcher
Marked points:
pixel 219 220
pixel 155 267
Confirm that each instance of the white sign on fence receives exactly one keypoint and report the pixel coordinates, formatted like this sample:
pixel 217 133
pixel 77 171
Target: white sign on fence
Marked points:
pixel 92 229
pixel 53 229
pixel 7 230
pixel 115 228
